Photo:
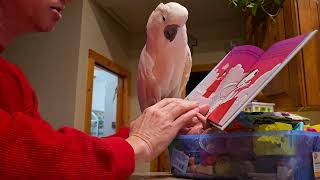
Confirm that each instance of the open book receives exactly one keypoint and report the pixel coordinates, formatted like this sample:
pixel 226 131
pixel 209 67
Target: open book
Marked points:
pixel 241 75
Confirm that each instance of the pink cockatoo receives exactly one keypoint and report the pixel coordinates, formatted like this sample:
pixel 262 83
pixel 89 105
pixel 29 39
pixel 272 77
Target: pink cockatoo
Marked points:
pixel 165 61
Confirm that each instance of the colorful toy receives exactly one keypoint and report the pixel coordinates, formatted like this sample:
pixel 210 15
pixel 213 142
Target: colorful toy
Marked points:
pixel 259 107
pixel 273 144
pixel 314 128
pixel 299 127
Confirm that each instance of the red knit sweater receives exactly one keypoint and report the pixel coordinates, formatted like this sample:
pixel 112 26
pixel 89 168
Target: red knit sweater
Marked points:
pixel 30 148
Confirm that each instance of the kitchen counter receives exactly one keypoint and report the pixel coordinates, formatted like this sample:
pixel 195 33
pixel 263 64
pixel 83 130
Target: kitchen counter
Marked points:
pixel 154 175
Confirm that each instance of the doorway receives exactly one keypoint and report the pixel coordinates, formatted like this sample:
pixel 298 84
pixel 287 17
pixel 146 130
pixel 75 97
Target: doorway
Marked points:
pixel 104 102
pixel 107 96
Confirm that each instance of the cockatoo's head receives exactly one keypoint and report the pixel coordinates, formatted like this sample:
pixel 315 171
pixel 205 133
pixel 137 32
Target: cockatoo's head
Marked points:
pixel 167 19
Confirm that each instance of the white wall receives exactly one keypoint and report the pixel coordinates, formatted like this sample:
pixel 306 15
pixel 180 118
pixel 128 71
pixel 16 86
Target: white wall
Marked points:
pixel 100 33
pixel 49 61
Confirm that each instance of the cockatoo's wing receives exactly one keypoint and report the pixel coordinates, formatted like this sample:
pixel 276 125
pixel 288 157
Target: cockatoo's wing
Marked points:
pixel 149 91
pixel 187 70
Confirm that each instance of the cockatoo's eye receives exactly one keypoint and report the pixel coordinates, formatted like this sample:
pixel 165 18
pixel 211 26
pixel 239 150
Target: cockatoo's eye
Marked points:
pixel 163 18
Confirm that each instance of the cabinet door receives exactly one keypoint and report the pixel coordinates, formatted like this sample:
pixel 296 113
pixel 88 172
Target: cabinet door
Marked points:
pixel 309 14
pixel 286 90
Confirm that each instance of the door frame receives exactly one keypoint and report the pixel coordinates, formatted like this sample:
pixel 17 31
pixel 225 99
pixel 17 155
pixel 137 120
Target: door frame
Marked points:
pixel 95 58
pixel 203 67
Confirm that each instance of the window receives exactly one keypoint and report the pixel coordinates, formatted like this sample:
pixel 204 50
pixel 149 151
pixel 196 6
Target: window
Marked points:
pixel 104 102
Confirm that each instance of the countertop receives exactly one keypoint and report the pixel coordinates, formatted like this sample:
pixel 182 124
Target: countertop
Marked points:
pixel 154 175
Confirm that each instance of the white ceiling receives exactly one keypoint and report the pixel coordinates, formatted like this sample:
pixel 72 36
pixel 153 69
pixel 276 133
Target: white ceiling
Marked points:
pixel 133 14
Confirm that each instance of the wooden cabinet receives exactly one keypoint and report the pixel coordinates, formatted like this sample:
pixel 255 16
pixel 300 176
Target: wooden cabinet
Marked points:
pixel 309 18
pixel 297 86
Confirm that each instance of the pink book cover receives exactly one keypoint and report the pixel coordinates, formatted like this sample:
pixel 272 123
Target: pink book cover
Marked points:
pixel 241 75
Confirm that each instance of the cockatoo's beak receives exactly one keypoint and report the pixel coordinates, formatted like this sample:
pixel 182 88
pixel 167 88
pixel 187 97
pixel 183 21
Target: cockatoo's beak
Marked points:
pixel 170 32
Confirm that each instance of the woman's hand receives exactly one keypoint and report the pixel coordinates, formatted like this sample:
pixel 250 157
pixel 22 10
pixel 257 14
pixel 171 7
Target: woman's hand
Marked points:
pixel 198 124
pixel 153 131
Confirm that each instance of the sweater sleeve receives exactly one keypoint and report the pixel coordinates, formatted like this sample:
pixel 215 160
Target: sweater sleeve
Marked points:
pixel 32 149
pixel 122 132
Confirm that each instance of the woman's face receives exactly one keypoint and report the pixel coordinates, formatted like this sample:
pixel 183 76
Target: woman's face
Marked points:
pixel 38 15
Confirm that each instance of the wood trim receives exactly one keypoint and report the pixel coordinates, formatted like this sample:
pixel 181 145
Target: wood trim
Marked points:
pixel 107 63
pixel 87 125
pixel 154 164
pixel 120 122
pixel 123 89
pixel 300 109
pixel 161 163
pixel 126 107
pixel 203 67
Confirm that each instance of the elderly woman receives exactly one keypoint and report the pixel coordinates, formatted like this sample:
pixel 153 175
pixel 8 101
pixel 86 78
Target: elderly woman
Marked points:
pixel 31 148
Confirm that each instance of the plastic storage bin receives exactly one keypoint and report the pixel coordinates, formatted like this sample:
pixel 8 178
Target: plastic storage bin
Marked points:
pixel 280 155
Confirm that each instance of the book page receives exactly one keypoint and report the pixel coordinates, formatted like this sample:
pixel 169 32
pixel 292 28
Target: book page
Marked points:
pixel 216 89
pixel 241 75
pixel 261 73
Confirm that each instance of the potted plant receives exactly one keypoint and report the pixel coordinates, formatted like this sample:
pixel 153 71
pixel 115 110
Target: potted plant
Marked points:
pixel 259 8
pixel 257 13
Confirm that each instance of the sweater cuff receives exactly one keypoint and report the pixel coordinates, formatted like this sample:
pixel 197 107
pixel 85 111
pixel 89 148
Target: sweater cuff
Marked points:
pixel 122 132
pixel 123 154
